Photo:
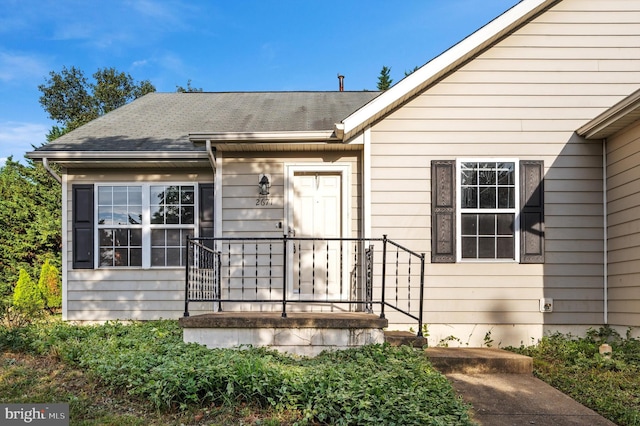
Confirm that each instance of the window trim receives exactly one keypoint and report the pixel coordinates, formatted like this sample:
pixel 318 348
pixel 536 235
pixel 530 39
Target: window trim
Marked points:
pixel 459 210
pixel 146 225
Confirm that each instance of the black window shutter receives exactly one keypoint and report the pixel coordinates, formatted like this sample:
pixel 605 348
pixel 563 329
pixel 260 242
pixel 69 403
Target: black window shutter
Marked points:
pixel 82 226
pixel 532 213
pixel 443 211
pixel 206 214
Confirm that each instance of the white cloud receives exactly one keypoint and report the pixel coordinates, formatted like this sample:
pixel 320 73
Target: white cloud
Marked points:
pixel 74 31
pixel 18 67
pixel 140 63
pixel 173 14
pixel 17 138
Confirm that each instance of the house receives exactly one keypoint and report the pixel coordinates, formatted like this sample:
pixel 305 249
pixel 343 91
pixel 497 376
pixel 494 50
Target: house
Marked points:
pixel 511 160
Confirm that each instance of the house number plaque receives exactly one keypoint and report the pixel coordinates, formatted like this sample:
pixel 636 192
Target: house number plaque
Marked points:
pixel 264 201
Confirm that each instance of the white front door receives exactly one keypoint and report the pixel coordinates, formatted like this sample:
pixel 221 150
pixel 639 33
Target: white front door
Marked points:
pixel 316 209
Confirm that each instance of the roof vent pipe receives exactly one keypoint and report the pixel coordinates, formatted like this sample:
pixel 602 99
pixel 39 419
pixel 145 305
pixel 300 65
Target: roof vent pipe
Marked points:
pixel 341 80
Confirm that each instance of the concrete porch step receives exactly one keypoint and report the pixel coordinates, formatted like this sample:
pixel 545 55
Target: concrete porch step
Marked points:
pixel 478 361
pixel 299 333
pixel 404 338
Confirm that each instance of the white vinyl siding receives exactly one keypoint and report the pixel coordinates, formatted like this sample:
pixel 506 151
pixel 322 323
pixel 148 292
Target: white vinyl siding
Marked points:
pixel 623 204
pixel 243 213
pixel 124 293
pixel 522 98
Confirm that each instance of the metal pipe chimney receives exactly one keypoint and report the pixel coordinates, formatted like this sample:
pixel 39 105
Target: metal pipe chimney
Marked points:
pixel 341 80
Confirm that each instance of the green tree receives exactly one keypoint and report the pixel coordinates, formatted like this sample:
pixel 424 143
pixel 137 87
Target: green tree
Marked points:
pixel 30 211
pixel 30 220
pixel 188 89
pixel 30 199
pixel 49 286
pixel 56 132
pixel 384 79
pixel 66 98
pixel 71 100
pixel 27 300
pixel 408 73
pixel 113 89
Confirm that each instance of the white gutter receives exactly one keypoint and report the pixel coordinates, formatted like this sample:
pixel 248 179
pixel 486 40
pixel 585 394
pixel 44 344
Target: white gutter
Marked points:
pixel 65 247
pixel 45 163
pixel 212 158
pixel 605 232
pixel 304 136
pixel 603 124
pixel 215 160
pixel 366 183
pixel 218 197
pixel 116 155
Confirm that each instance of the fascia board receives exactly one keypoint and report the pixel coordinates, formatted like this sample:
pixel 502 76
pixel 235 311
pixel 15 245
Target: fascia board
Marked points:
pixel 600 126
pixel 117 155
pixel 243 137
pixel 443 64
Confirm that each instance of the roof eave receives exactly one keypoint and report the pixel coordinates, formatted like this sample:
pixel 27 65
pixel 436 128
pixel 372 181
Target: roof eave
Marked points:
pixel 120 159
pixel 259 137
pixel 116 155
pixel 443 64
pixel 614 119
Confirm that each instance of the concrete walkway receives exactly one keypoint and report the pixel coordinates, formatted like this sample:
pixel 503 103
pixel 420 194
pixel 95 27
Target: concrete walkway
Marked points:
pixel 503 391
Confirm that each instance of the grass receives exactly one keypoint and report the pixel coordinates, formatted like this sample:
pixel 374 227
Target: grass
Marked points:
pixel 609 386
pixel 143 373
pixel 27 378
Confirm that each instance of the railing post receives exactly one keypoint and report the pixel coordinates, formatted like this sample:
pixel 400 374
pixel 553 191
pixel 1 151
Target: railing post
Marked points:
pixel 421 295
pixel 217 280
pixel 186 280
pixel 384 273
pixel 368 279
pixel 284 279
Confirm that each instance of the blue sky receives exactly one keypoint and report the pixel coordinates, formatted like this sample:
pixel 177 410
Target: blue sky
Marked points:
pixel 220 45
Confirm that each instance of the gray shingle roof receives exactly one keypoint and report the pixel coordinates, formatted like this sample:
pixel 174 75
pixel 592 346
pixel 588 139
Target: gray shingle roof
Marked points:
pixel 163 121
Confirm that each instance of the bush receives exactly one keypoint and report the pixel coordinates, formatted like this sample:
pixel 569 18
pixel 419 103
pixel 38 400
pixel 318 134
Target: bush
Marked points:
pixel 376 384
pixel 49 286
pixel 27 299
pixel 573 365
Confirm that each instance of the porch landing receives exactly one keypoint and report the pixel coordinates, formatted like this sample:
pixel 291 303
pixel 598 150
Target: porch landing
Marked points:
pixel 300 333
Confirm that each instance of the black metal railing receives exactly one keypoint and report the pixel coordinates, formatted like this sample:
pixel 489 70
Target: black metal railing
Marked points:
pixel 338 274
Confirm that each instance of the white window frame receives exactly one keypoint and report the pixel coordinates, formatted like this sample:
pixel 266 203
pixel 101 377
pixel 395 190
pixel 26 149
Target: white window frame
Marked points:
pixel 515 210
pixel 146 225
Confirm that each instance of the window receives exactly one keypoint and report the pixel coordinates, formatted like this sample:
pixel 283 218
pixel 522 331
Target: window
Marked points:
pixel 172 219
pixel 120 225
pixel 144 225
pixel 488 210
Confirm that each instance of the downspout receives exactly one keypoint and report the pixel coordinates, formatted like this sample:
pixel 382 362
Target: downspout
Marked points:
pixel 217 179
pixel 45 163
pixel 212 162
pixel 212 159
pixel 366 184
pixel 605 232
